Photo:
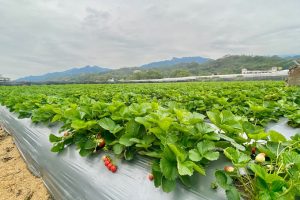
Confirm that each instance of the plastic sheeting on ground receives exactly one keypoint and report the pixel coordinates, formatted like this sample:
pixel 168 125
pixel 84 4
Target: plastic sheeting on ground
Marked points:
pixel 69 176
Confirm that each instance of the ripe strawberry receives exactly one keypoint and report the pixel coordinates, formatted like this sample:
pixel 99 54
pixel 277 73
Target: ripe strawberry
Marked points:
pixel 109 165
pixel 261 157
pixel 228 169
pixel 113 168
pixel 101 143
pixel 150 177
pixel 253 150
pixel 106 163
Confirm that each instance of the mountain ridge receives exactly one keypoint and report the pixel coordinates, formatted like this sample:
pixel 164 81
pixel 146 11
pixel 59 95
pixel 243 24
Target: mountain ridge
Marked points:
pixel 52 76
pixel 175 60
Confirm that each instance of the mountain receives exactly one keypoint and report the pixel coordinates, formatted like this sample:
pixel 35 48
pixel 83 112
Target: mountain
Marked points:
pixel 230 64
pixel 176 67
pixel 64 75
pixel 174 61
pixel 233 64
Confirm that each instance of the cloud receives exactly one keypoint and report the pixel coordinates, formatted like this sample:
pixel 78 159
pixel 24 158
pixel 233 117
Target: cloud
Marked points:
pixel 44 36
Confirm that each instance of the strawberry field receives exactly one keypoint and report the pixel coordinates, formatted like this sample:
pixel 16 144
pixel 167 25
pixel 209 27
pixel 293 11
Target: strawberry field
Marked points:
pixel 182 127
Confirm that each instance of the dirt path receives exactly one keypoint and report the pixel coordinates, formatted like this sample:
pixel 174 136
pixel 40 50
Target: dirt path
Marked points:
pixel 16 181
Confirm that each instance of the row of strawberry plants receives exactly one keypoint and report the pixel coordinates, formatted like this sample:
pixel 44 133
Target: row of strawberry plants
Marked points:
pixel 179 141
pixel 260 102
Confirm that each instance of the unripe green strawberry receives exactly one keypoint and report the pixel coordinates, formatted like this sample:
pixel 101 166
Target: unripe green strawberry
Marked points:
pixel 104 158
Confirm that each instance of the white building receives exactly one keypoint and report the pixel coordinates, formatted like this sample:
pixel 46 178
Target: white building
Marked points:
pixel 4 79
pixel 272 70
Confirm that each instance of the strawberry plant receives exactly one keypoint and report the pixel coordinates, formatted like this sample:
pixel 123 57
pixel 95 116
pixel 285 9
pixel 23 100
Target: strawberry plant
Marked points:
pixel 171 123
pixel 273 174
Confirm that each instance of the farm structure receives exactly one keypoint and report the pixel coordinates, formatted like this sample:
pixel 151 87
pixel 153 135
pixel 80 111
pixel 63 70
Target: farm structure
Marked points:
pixel 294 75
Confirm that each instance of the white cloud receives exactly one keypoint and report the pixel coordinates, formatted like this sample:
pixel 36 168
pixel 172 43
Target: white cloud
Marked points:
pixel 43 36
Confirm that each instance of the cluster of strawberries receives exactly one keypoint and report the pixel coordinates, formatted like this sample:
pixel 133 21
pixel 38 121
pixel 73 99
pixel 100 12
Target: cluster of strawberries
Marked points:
pixel 259 158
pixel 110 166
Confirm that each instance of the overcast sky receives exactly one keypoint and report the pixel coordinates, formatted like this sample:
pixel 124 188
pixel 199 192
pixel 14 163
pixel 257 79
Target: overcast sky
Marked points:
pixel 40 36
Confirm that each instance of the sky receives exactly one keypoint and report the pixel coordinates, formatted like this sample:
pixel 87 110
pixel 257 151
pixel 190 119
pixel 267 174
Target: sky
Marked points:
pixel 41 36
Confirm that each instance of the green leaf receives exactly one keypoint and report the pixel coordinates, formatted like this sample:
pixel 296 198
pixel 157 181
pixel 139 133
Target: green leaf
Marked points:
pixel 168 168
pixel 78 124
pixel 211 155
pixel 238 158
pixel 211 136
pixel 118 148
pixel 199 169
pixel 194 155
pixel 277 185
pixel 128 154
pixel 157 178
pixel 58 147
pixel 85 152
pixel 110 125
pixel 126 140
pixel 185 180
pixel 258 136
pixel 223 179
pixel 276 137
pixel 152 154
pixel 157 174
pixel 214 117
pixel 144 121
pixel 232 142
pixel 233 194
pixel 290 158
pixel 165 123
pixel 185 168
pixel 179 152
pixel 132 128
pixel 90 144
pixel 205 146
pixel 131 131
pixel 168 185
pixel 56 118
pixel 258 170
pixel 54 138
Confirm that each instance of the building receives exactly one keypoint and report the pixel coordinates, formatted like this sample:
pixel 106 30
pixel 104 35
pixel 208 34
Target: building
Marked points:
pixel 112 80
pixel 294 74
pixel 246 71
pixel 4 79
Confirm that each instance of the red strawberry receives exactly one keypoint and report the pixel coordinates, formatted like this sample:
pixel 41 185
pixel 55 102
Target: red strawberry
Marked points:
pixel 101 143
pixel 113 168
pixel 106 163
pixel 109 165
pixel 150 177
pixel 253 150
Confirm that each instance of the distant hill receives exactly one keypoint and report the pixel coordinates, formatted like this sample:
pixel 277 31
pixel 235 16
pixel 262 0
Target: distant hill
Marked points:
pixel 230 64
pixel 233 64
pixel 176 67
pixel 64 75
pixel 174 61
pixel 291 56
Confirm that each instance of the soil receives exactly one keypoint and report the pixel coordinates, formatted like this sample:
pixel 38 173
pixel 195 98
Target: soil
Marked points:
pixel 16 181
